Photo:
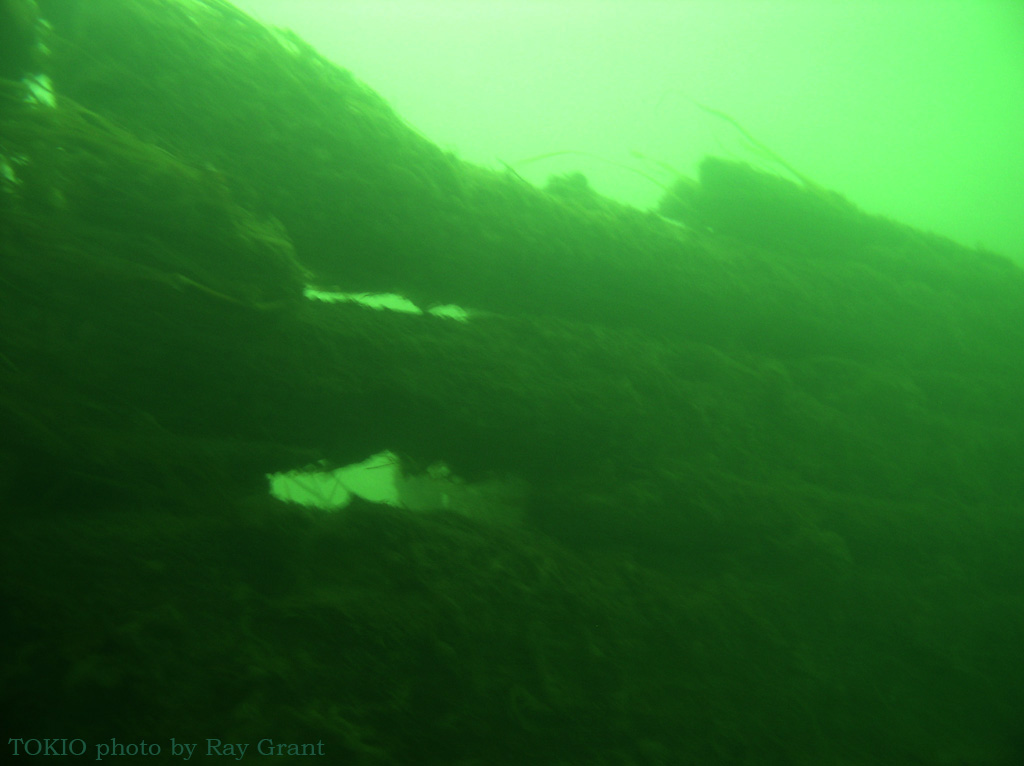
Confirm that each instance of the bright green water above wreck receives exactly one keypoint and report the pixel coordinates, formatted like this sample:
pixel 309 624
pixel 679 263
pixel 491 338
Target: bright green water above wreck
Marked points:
pixel 911 109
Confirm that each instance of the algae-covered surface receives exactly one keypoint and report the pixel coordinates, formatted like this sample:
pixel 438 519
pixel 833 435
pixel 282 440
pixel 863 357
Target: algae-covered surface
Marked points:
pixel 766 449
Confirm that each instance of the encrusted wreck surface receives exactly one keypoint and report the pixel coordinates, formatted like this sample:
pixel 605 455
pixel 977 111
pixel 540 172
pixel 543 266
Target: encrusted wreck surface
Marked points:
pixel 772 456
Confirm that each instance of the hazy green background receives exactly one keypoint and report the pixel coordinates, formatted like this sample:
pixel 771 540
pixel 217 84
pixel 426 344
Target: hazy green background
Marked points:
pixel 911 109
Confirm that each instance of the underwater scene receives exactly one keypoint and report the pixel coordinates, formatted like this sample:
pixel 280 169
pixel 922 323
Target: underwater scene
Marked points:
pixel 324 443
